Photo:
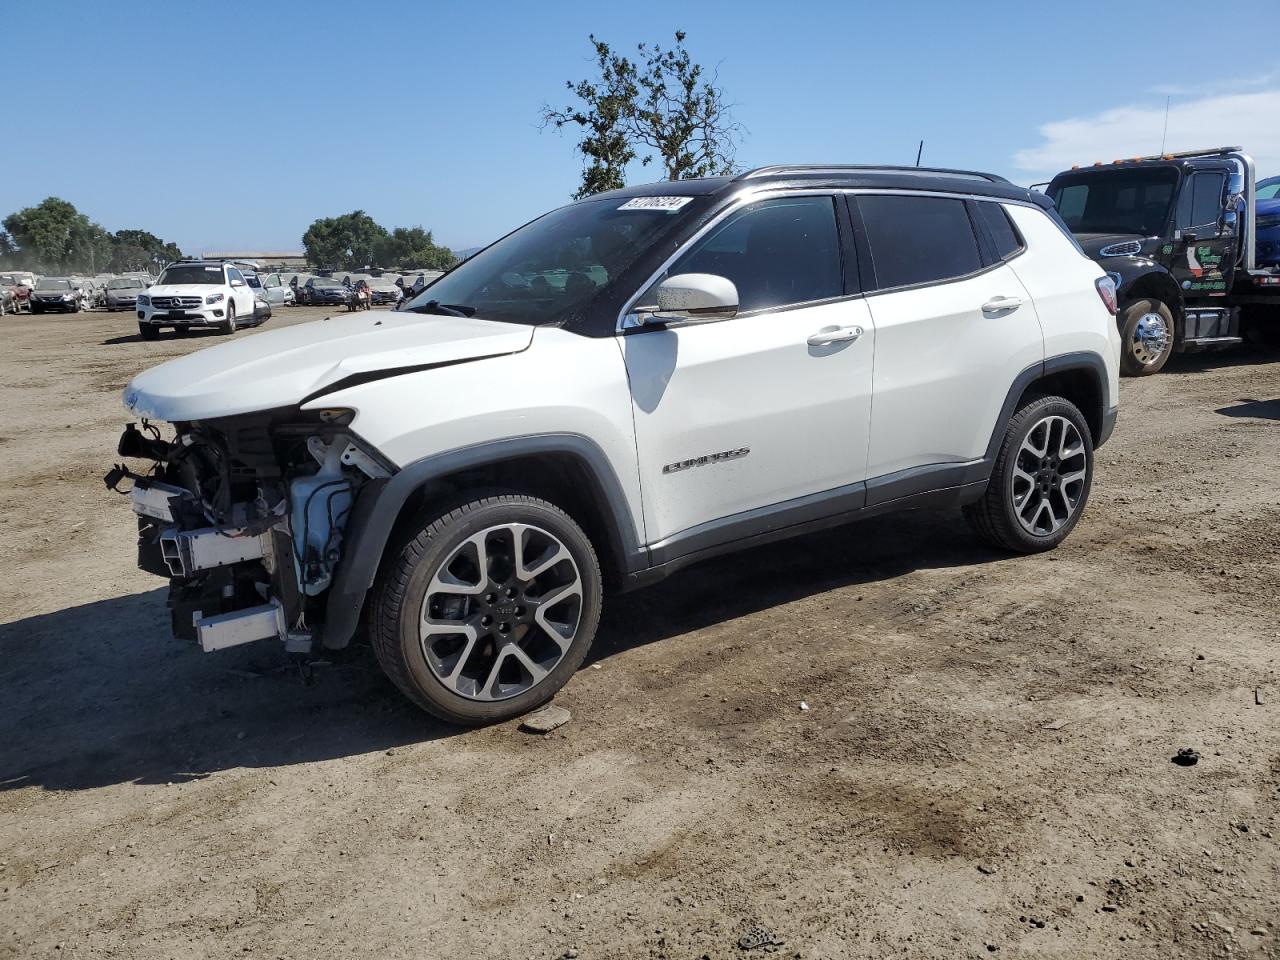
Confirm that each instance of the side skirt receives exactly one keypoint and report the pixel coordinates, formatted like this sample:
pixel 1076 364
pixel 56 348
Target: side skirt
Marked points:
pixel 941 485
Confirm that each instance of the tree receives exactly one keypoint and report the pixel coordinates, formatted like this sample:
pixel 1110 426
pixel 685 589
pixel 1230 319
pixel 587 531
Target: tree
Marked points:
pixel 345 242
pixel 683 116
pixel 607 107
pixel 133 250
pixel 668 105
pixel 44 234
pixel 407 247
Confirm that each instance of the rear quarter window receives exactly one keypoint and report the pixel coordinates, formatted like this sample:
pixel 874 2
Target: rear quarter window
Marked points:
pixel 1004 234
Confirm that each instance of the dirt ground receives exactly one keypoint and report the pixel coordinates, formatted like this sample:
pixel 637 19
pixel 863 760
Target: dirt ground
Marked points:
pixel 983 768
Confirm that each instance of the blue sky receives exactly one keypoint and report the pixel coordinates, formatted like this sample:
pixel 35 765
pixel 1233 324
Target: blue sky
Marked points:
pixel 230 125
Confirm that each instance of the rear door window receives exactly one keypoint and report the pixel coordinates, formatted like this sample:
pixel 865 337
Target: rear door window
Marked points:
pixel 916 240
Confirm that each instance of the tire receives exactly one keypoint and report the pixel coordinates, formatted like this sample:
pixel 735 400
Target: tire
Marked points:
pixel 230 326
pixel 1031 473
pixel 1147 337
pixel 486 677
pixel 148 331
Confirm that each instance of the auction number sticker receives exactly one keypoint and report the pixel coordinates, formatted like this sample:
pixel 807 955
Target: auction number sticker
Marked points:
pixel 668 204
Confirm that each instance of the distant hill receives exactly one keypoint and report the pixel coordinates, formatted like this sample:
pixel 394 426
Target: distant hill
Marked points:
pixel 463 254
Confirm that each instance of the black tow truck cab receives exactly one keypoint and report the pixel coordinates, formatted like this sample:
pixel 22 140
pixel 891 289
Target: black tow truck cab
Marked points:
pixel 1177 234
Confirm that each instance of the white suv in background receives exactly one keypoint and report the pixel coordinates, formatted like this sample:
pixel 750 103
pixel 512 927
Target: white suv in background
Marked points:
pixel 197 293
pixel 626 385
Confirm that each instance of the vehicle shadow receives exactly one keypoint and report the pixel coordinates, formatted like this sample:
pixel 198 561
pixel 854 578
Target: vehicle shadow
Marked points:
pixel 101 694
pixel 1248 354
pixel 137 338
pixel 1253 409
pixel 733 586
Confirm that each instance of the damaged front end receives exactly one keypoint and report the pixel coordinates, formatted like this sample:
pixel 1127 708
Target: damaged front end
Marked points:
pixel 246 516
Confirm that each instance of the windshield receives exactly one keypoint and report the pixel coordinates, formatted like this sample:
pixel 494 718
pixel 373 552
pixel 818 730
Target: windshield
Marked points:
pixel 325 283
pixel 551 267
pixel 192 274
pixel 1123 201
pixel 125 284
pixel 1269 189
pixel 50 284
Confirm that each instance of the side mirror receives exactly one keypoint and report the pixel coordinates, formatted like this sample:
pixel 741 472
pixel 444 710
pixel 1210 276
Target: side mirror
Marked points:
pixel 237 283
pixel 692 298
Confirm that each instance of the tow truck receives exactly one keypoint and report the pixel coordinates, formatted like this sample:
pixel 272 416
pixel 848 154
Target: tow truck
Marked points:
pixel 1177 233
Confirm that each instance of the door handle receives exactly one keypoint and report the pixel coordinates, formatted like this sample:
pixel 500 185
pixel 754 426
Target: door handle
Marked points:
pixel 996 304
pixel 829 335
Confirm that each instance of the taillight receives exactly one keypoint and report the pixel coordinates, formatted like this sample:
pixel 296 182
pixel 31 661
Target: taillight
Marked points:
pixel 1107 291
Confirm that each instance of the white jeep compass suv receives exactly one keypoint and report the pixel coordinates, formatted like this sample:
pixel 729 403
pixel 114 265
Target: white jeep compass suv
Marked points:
pixel 628 384
pixel 197 293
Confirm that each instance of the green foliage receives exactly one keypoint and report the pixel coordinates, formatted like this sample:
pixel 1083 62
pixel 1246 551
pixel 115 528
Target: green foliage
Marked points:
pixel 356 240
pixel 663 103
pixel 406 247
pixel 134 250
pixel 54 237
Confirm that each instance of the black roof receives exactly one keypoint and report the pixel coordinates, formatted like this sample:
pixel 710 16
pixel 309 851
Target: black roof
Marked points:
pixel 839 176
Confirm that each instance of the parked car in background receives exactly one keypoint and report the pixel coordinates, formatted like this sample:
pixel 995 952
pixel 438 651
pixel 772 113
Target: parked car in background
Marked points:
pixel 122 293
pixel 325 290
pixel 197 293
pixel 56 293
pixel 384 291
pixel 8 302
pixel 19 290
pixel 1267 212
pixel 277 292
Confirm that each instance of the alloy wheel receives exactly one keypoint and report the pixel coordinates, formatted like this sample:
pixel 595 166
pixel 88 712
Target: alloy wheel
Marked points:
pixel 1049 476
pixel 501 612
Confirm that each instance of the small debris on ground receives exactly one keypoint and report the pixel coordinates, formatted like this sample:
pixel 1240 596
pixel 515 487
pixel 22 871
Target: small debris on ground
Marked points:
pixel 1257 696
pixel 758 938
pixel 545 720
pixel 986 868
pixel 803 705
pixel 1055 724
pixel 1186 757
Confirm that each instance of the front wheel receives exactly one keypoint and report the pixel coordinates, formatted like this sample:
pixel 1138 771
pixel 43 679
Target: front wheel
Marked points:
pixel 1146 334
pixel 1040 482
pixel 488 610
pixel 230 326
pixel 148 331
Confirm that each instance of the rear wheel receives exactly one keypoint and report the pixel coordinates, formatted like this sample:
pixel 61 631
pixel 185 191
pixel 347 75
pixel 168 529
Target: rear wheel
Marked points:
pixel 489 609
pixel 1146 334
pixel 1040 482
pixel 148 331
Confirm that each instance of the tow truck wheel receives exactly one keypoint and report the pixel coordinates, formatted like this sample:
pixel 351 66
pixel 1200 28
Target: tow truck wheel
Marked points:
pixel 1146 336
pixel 488 609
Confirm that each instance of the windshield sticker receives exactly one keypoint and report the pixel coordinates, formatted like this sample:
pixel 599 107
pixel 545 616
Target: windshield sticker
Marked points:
pixel 667 204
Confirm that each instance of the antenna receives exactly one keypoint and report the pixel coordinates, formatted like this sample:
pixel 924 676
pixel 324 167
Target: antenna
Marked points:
pixel 1164 135
pixel 919 153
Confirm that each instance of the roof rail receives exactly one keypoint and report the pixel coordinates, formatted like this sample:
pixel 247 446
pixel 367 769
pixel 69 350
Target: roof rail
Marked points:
pixel 785 168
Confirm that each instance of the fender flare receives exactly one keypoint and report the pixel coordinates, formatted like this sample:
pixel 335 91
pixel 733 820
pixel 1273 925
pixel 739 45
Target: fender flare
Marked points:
pixel 380 502
pixel 1081 360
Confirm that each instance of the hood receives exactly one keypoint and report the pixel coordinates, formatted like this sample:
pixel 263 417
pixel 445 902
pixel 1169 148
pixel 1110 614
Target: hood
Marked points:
pixel 1267 208
pixel 181 289
pixel 281 367
pixel 1093 242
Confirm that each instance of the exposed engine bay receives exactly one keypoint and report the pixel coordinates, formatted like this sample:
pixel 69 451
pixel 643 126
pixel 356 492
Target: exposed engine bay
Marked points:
pixel 246 516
